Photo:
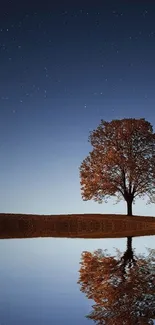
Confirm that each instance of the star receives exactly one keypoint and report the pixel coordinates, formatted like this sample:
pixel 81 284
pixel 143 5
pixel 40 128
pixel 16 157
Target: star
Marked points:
pixel 145 13
pixel 45 93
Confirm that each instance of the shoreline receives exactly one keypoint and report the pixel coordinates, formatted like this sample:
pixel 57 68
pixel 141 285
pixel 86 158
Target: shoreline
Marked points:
pixel 75 225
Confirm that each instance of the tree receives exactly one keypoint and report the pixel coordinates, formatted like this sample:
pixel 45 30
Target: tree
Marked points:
pixel 128 259
pixel 122 162
pixel 120 297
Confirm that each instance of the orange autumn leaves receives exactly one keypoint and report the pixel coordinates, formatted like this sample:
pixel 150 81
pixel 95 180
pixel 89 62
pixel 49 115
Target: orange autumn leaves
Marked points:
pixel 122 162
pixel 120 298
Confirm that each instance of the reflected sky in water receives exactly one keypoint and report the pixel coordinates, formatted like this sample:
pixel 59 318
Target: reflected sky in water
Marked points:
pixel 38 278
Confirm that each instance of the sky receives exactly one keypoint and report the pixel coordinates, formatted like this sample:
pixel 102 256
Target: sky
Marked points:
pixel 63 68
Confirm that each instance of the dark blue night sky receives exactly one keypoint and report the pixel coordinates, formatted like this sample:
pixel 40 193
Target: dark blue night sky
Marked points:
pixel 63 68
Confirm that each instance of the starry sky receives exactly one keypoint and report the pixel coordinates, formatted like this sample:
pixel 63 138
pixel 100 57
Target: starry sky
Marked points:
pixel 63 68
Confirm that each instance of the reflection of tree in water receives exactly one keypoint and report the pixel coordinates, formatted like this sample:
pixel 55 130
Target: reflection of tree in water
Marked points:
pixel 128 259
pixel 123 288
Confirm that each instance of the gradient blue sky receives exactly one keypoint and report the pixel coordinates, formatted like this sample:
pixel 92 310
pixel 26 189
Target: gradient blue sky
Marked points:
pixel 63 68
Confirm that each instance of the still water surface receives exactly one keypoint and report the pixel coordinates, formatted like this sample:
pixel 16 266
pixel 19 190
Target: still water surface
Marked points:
pixel 38 278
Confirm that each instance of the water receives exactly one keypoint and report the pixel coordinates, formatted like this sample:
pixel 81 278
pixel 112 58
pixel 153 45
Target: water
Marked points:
pixel 38 278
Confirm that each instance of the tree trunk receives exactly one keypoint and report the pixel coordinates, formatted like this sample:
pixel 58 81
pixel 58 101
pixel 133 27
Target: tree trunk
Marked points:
pixel 127 258
pixel 129 244
pixel 129 208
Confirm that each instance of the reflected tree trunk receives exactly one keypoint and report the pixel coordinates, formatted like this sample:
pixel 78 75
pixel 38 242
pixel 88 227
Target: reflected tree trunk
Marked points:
pixel 128 257
pixel 129 244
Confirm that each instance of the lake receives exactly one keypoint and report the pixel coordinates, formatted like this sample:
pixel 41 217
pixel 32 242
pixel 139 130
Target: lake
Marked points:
pixel 38 278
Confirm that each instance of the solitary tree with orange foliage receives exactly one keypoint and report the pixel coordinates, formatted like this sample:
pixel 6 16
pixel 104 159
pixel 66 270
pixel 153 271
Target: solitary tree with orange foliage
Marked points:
pixel 122 162
pixel 120 298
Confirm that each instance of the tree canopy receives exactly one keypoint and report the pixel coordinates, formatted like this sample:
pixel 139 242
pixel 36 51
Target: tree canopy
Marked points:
pixel 120 297
pixel 122 162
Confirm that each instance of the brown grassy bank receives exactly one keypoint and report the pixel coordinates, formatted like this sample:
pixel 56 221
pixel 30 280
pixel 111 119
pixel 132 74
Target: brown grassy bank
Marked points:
pixel 75 225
